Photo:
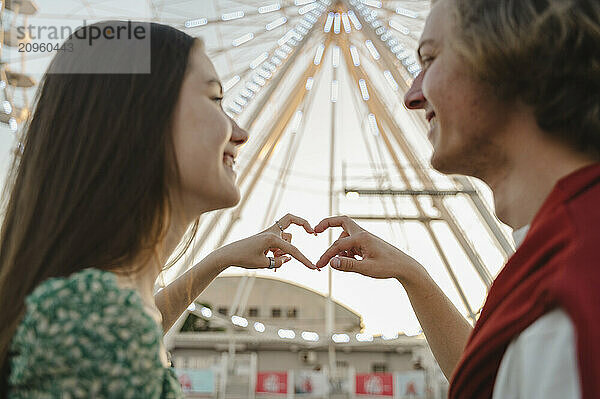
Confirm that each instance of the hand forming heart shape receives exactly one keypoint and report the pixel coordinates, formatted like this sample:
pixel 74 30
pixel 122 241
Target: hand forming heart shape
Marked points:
pixel 376 258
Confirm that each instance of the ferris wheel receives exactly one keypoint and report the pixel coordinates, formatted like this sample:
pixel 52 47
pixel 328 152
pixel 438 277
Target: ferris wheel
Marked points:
pixel 306 76
pixel 15 83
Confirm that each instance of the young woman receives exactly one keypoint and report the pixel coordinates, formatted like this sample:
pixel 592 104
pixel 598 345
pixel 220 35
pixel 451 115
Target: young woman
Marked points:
pixel 114 169
pixel 511 91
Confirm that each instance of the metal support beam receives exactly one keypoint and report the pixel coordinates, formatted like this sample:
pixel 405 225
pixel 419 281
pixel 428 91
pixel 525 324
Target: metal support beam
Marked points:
pixel 244 301
pixel 330 310
pixel 423 219
pixel 439 193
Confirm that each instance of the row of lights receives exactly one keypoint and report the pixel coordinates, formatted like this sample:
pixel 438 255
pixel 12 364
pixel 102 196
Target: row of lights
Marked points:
pixel 336 20
pixel 372 3
pixel 356 61
pixel 7 108
pixel 308 5
pixel 375 54
pixel 230 16
pixel 401 53
pixel 399 10
pixel 387 74
pixel 362 84
pixel 283 333
pixel 331 20
pixel 245 38
pixel 263 66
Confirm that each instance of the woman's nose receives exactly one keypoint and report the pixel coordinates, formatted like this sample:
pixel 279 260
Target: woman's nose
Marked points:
pixel 238 135
pixel 414 98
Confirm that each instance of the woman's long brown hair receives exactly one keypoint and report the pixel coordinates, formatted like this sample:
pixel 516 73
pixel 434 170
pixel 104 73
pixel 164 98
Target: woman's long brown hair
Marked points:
pixel 88 187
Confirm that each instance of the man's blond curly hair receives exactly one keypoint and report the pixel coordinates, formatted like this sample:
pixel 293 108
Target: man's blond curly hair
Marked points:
pixel 544 54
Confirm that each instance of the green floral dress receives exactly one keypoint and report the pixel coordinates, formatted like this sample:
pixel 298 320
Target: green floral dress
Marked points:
pixel 85 337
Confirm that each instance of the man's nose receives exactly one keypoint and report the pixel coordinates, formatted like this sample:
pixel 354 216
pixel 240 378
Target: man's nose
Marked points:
pixel 414 98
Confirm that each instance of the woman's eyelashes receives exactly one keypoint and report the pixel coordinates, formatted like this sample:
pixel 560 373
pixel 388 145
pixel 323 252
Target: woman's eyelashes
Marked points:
pixel 218 100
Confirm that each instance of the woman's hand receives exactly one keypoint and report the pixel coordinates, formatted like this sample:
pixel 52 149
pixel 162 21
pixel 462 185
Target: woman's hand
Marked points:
pixel 251 252
pixel 378 259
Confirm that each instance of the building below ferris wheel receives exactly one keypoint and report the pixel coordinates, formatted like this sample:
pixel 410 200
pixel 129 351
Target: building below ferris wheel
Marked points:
pixel 259 337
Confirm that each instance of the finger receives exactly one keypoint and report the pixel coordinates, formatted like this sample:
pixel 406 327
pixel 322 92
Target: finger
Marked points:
pixel 287 236
pixel 288 248
pixel 279 261
pixel 343 235
pixel 344 244
pixel 346 254
pixel 289 219
pixel 349 225
pixel 355 252
pixel 278 252
pixel 350 265
pixel 350 253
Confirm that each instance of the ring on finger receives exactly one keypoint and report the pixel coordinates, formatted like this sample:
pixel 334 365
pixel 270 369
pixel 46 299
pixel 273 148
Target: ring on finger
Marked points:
pixel 271 262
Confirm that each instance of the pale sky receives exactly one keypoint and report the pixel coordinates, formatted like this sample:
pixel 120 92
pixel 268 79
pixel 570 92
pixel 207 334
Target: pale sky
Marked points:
pixel 382 303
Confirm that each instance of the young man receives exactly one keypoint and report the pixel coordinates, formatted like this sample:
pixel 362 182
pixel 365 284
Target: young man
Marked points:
pixel 511 91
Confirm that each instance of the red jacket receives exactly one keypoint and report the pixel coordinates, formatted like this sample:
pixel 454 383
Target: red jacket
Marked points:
pixel 557 265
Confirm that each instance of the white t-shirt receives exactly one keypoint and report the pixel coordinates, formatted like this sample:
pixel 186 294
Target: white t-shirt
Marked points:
pixel 541 362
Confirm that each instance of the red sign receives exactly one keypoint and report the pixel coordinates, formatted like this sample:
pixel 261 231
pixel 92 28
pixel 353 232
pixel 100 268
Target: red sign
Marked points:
pixel 271 382
pixel 375 384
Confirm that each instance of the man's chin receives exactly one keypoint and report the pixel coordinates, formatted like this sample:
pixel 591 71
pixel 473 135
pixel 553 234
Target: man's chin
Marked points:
pixel 440 164
pixel 449 165
pixel 478 155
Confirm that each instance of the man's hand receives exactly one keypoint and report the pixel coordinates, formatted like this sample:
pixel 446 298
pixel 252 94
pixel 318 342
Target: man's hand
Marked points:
pixel 376 258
